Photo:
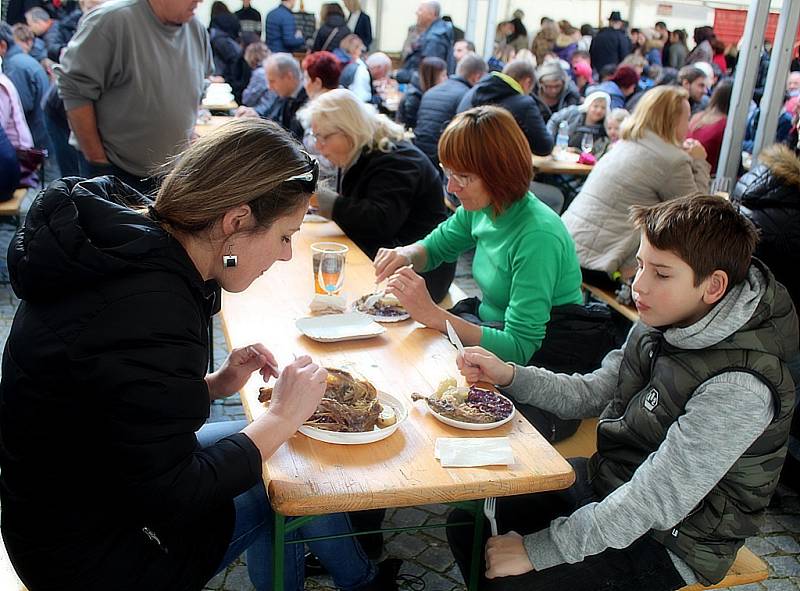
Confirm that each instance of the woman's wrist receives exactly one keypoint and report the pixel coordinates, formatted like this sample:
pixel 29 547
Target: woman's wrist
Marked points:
pixel 435 319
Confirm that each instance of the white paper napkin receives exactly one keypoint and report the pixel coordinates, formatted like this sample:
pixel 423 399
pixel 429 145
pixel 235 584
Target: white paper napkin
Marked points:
pixel 328 304
pixel 465 452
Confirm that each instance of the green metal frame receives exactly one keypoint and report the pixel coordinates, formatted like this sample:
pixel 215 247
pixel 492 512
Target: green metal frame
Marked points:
pixel 284 527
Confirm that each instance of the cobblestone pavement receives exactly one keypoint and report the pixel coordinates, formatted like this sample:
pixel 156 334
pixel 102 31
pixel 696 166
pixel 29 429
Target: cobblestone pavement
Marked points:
pixel 426 554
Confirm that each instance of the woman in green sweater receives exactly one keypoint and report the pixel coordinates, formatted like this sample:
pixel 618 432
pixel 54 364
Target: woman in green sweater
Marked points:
pixel 525 261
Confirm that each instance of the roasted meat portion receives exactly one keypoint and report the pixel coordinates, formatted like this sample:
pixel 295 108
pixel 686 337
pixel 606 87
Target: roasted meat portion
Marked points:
pixel 349 404
pixel 475 405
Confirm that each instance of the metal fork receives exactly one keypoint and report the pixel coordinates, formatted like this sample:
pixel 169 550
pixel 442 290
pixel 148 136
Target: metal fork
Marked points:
pixel 489 508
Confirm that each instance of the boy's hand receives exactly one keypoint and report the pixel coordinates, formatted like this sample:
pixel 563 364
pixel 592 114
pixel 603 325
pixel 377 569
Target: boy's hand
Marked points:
pixel 478 365
pixel 506 556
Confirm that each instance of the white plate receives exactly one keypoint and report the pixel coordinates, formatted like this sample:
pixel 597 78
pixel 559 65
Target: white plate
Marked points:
pixel 314 218
pixel 566 156
pixel 376 318
pixel 385 399
pixel 339 327
pixel 473 426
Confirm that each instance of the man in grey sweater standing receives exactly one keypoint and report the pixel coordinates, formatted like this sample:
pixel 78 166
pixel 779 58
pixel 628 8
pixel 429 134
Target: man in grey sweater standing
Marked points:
pixel 132 80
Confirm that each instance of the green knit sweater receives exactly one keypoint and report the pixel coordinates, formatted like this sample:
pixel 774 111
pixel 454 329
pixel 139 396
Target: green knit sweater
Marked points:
pixel 525 263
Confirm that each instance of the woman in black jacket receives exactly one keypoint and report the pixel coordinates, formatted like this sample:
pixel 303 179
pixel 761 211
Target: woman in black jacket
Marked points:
pixel 432 71
pixel 769 194
pixel 104 484
pixel 388 193
pixel 333 28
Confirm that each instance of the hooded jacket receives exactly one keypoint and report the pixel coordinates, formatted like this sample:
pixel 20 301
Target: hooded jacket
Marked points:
pixel 503 91
pixel 103 484
pixel 769 194
pixel 711 444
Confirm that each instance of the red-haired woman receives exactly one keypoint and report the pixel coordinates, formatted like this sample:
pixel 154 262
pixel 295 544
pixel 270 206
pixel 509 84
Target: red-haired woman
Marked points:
pixel 525 261
pixel 322 70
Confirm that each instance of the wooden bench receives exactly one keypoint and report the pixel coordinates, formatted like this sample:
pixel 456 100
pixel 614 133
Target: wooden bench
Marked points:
pixel 13 206
pixel 748 568
pixel 582 444
pixel 609 298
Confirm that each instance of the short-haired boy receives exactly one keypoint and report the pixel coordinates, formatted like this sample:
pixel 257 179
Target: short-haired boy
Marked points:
pixel 694 413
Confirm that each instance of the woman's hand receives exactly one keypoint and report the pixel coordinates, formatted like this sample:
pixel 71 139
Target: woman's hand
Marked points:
pixel 695 149
pixel 410 289
pixel 506 556
pixel 479 365
pixel 297 392
pixel 389 260
pixel 238 367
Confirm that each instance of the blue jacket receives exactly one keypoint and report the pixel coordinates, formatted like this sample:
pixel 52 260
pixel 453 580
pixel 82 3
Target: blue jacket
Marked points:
pixel 281 27
pixel 612 88
pixel 493 90
pixel 32 84
pixel 438 106
pixel 436 41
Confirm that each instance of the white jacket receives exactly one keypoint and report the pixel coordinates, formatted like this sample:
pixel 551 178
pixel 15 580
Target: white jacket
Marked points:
pixel 642 172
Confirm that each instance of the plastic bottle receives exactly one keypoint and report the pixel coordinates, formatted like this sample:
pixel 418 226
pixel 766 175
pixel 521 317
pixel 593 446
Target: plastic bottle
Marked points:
pixel 562 139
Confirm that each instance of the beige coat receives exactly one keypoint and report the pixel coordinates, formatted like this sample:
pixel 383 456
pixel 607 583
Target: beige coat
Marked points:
pixel 642 172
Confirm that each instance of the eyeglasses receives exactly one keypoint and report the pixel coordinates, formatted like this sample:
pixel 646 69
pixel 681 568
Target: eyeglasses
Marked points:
pixel 309 177
pixel 462 180
pixel 322 139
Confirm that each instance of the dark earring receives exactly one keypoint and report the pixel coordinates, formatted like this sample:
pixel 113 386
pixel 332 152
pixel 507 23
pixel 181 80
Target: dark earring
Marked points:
pixel 230 259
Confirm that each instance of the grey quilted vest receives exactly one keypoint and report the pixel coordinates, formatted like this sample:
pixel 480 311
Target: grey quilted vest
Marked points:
pixel 655 383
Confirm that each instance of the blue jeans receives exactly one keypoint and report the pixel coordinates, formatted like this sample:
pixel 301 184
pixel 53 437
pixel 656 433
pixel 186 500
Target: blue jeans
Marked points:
pixel 344 558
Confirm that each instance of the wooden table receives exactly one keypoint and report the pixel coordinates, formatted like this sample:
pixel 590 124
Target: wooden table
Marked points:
pixel 307 477
pixel 549 165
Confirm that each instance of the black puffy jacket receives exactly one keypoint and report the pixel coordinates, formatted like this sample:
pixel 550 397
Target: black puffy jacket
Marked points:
pixel 769 195
pixel 437 107
pixel 493 90
pixel 102 391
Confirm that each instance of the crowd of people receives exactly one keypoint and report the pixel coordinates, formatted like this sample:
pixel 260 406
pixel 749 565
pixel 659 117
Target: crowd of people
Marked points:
pixel 417 164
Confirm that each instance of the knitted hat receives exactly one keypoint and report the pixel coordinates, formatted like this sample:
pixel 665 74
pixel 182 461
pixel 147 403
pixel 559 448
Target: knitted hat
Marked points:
pixel 625 76
pixel 596 95
pixel 584 70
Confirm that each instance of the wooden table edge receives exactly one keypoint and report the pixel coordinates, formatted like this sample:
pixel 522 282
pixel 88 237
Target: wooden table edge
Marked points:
pixel 296 507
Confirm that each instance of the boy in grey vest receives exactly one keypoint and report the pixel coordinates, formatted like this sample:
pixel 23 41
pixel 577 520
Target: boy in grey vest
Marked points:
pixel 694 409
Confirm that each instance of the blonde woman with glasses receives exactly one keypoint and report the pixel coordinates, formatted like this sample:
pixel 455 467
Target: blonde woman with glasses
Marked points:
pixel 109 405
pixel 652 162
pixel 387 191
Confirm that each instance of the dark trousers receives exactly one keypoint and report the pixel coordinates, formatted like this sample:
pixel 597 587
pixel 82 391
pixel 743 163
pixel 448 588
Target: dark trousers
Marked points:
pixel 67 156
pixel 438 280
pixel 146 186
pixel 645 564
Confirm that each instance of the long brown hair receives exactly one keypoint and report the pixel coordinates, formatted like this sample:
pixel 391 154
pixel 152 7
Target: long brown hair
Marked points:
pixel 245 161
pixel 429 71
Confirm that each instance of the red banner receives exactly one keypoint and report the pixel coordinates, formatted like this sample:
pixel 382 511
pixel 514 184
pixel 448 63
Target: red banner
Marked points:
pixel 729 25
